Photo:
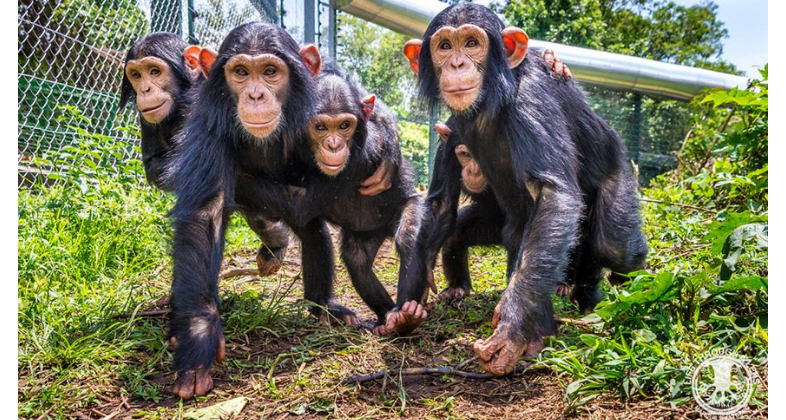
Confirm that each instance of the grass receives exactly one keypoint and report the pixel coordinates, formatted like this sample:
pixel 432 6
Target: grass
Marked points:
pixel 90 251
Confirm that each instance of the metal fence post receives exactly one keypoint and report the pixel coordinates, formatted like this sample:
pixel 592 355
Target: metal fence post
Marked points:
pixel 309 14
pixel 433 138
pixel 191 15
pixel 332 21
pixel 635 141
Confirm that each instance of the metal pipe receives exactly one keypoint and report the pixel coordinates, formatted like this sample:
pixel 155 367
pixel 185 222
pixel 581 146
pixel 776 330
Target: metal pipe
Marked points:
pixel 609 70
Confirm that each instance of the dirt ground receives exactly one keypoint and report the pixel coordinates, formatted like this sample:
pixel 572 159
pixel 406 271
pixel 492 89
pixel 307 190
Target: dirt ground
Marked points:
pixel 289 366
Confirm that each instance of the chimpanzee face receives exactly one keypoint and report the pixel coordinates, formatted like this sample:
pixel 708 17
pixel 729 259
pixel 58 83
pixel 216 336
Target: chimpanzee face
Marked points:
pixel 155 86
pixel 458 55
pixel 331 140
pixel 471 176
pixel 259 85
pixel 460 58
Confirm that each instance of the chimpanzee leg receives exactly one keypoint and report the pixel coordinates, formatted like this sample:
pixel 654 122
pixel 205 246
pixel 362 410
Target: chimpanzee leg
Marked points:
pixel 476 225
pixel 526 313
pixel 317 263
pixel 358 250
pixel 195 325
pixel 410 310
pixel 587 273
pixel 275 238
pixel 615 239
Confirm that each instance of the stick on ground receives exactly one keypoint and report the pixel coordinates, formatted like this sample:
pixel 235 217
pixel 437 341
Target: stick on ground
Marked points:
pixel 435 370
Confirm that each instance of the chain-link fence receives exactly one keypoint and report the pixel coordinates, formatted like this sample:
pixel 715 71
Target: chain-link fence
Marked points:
pixel 71 52
pixel 71 56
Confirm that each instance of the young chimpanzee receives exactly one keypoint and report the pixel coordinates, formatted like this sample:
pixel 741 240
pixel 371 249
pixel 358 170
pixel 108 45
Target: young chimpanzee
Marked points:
pixel 558 173
pixel 162 74
pixel 350 135
pixel 241 150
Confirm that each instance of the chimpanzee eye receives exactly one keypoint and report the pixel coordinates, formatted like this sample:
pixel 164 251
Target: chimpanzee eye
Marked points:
pixel 344 125
pixel 270 71
pixel 155 71
pixel 444 45
pixel 136 75
pixel 241 71
pixel 472 42
pixel 321 127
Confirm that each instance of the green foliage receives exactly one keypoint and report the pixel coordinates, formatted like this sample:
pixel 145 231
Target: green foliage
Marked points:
pixel 655 29
pixel 413 140
pixel 706 286
pixel 374 55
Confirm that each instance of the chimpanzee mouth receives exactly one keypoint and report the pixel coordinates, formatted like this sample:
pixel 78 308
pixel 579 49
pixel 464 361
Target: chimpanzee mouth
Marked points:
pixel 154 108
pixel 460 90
pixel 260 124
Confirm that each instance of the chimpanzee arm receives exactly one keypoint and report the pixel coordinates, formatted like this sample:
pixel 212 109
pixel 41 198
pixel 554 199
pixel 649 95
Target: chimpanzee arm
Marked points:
pixel 205 191
pixel 442 201
pixel 155 154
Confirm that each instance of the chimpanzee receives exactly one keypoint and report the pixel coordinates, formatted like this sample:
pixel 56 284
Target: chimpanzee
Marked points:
pixel 242 149
pixel 162 74
pixel 350 135
pixel 557 171
pixel 473 185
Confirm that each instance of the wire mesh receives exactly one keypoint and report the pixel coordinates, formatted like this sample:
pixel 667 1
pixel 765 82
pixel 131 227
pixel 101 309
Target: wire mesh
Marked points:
pixel 70 55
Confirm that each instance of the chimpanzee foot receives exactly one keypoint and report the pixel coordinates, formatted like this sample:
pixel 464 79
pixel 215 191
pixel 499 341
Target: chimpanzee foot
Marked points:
pixel 196 382
pixel 380 330
pixel 453 294
pixel 586 296
pixel 269 261
pixel 403 321
pixel 498 354
pixel 337 313
pixel 563 289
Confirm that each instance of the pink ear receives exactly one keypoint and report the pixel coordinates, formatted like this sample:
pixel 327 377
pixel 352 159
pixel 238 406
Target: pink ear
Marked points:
pixel 412 52
pixel 516 43
pixel 191 55
pixel 368 105
pixel 312 58
pixel 206 59
pixel 443 130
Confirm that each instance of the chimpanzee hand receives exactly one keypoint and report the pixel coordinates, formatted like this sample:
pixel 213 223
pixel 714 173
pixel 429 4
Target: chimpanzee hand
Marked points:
pixel 557 66
pixel 381 180
pixel 499 353
pixel 201 339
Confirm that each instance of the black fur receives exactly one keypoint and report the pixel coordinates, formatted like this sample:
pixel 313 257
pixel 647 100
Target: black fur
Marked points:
pixel 157 138
pixel 557 176
pixel 367 220
pixel 216 166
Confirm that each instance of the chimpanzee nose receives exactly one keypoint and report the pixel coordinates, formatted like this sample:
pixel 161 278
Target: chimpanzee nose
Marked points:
pixel 334 144
pixel 256 94
pixel 457 63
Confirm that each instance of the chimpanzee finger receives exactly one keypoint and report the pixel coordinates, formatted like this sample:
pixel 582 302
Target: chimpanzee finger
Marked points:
pixel 567 73
pixel 557 67
pixel 548 56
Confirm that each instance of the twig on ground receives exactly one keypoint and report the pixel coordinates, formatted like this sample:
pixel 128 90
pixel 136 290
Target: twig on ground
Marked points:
pixel 155 313
pixel 237 272
pixel 434 370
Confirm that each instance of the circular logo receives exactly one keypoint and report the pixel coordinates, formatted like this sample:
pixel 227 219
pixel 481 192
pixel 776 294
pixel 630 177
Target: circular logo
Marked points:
pixel 722 384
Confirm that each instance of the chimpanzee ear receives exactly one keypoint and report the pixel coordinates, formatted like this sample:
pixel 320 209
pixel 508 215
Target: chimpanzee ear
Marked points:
pixel 515 41
pixel 368 106
pixel 191 56
pixel 312 58
pixel 412 51
pixel 443 130
pixel 206 59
